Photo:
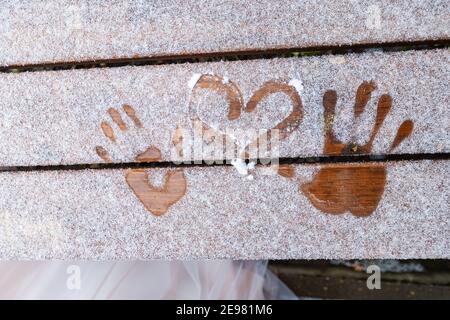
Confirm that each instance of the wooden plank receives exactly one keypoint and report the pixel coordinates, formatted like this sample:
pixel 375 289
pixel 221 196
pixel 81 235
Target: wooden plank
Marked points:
pixel 336 286
pixel 400 279
pixel 115 114
pixel 99 214
pixel 422 271
pixel 82 30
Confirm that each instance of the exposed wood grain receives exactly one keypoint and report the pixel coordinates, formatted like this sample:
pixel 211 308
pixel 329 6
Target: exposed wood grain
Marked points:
pixel 157 200
pixel 82 30
pixel 320 106
pixel 340 188
pixel 215 212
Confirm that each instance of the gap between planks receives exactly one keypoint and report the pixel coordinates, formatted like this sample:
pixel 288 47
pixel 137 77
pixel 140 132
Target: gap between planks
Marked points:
pixel 356 159
pixel 251 54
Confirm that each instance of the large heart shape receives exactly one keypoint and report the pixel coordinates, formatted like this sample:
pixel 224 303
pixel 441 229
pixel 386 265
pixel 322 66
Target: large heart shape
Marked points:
pixel 236 106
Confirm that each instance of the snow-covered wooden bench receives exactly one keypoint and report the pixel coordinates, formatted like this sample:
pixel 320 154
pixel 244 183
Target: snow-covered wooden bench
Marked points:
pixel 104 163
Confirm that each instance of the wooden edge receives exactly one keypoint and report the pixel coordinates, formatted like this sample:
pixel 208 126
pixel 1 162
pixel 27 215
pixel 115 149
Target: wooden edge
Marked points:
pixel 337 287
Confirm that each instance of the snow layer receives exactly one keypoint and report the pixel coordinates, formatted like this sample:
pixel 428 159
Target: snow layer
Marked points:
pixel 92 214
pixel 66 30
pixel 54 117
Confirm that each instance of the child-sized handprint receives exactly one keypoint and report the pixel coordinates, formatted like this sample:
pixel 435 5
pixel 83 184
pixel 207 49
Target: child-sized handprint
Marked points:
pixel 356 188
pixel 157 200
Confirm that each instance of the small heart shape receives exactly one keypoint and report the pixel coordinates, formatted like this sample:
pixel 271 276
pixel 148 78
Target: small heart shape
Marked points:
pixel 236 105
pixel 157 200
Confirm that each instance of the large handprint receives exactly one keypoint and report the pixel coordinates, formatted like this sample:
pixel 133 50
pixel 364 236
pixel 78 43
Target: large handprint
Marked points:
pixel 338 188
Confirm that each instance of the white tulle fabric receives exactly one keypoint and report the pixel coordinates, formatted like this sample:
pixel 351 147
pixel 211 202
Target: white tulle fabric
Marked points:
pixel 142 280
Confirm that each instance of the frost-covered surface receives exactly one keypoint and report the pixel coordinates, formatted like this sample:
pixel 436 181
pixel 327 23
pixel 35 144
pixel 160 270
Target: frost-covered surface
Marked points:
pixel 92 214
pixel 297 84
pixel 242 167
pixel 65 30
pixel 54 117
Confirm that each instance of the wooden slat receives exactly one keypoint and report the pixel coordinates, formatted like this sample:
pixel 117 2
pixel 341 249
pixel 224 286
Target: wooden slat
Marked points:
pixel 336 284
pixel 82 30
pixel 91 116
pixel 99 214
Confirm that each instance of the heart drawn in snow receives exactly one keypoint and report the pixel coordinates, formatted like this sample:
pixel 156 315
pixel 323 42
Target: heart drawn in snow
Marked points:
pixel 236 105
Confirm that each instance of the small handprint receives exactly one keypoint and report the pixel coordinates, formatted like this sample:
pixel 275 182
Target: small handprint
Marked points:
pixel 108 131
pixel 358 189
pixel 156 200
